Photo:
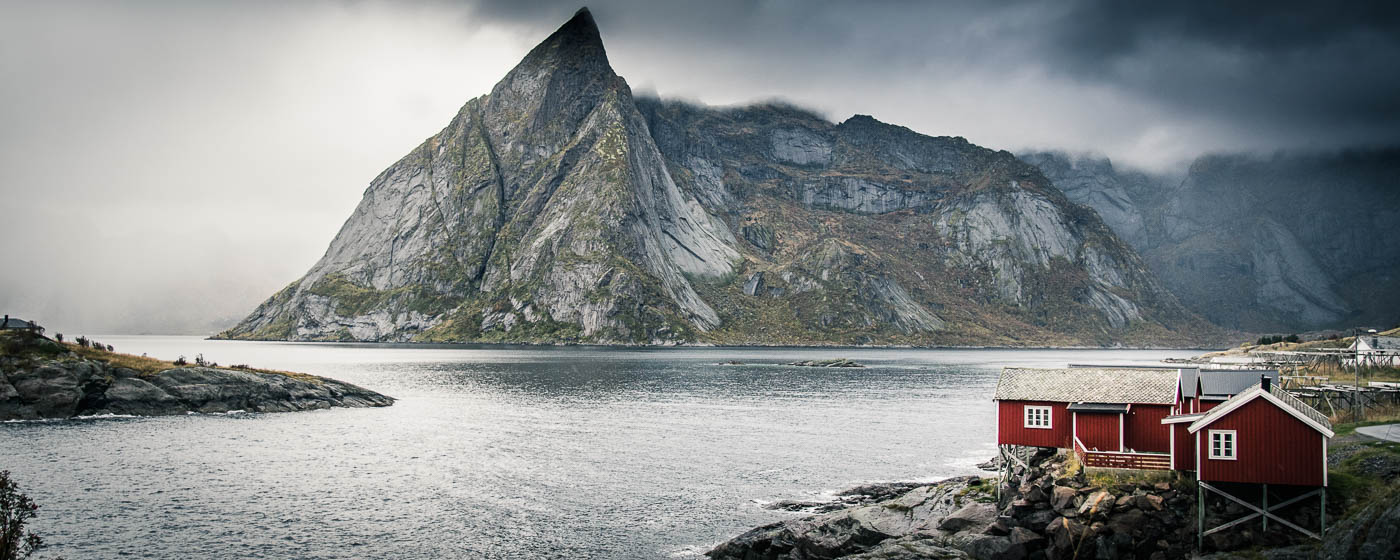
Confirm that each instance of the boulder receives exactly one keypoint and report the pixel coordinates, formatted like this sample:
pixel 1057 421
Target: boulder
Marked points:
pixel 50 390
pixel 135 396
pixel 910 548
pixel 988 547
pixel 1027 538
pixel 1148 502
pixel 754 285
pixel 1062 497
pixel 1097 503
pixel 971 516
pixel 1063 534
pixel 1036 495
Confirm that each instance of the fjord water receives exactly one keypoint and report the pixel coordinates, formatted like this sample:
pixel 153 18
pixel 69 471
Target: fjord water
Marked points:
pixel 509 452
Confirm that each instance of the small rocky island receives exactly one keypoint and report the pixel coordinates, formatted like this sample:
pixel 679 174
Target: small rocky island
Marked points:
pixel 835 362
pixel 44 378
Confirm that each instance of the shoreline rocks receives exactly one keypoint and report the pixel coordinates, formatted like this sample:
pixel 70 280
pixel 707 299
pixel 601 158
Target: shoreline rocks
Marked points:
pixel 65 385
pixel 1050 514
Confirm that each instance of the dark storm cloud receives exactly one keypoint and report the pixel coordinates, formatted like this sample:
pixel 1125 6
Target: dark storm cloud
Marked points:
pixel 1311 65
pixel 1305 74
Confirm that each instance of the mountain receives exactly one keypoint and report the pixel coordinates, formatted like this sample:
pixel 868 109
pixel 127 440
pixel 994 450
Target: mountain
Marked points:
pixel 559 208
pixel 1287 242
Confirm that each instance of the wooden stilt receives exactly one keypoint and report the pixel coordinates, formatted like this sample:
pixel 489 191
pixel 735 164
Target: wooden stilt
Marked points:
pixel 1266 512
pixel 1200 515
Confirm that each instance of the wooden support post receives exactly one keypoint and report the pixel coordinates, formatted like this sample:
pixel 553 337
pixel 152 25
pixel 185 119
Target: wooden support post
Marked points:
pixel 1323 530
pixel 1265 512
pixel 1266 507
pixel 1200 515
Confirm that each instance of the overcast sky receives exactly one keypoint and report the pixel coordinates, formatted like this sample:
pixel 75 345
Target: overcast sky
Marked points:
pixel 165 166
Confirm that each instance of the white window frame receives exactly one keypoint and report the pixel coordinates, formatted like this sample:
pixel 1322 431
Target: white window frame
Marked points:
pixel 1225 436
pixel 1039 417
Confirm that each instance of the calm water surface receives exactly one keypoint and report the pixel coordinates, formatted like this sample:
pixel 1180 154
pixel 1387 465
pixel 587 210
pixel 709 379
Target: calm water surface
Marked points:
pixel 509 452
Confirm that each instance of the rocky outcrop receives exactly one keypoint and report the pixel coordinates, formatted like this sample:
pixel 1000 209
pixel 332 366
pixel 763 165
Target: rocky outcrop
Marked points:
pixel 835 362
pixel 65 386
pixel 559 208
pixel 1047 513
pixel 1281 243
pixel 1371 533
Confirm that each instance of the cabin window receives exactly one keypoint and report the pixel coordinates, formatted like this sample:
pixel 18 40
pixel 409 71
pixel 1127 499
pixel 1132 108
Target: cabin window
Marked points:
pixel 1038 417
pixel 1222 444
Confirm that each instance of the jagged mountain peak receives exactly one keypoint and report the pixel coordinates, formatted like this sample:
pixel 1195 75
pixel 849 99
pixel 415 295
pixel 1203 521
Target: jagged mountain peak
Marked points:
pixel 559 208
pixel 575 47
pixel 557 84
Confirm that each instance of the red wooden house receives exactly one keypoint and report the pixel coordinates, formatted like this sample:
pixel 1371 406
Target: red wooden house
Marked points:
pixel 1199 391
pixel 1215 386
pixel 1111 417
pixel 1157 418
pixel 1262 436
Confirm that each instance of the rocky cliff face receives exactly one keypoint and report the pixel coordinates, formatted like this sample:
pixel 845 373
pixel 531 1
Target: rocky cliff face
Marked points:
pixel 1263 244
pixel 559 208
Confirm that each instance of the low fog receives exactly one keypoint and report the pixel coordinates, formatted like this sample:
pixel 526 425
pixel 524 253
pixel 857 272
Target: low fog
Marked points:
pixel 165 166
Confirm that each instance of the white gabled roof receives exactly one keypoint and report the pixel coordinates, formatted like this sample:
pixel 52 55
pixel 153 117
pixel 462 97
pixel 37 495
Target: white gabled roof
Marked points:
pixel 1088 385
pixel 1180 418
pixel 1288 403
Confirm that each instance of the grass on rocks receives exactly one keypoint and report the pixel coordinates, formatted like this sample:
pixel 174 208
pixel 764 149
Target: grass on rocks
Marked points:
pixel 1361 470
pixel 25 344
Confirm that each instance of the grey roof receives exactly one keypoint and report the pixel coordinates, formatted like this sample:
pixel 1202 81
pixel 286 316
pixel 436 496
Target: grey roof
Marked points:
pixel 1300 406
pixel 1225 408
pixel 1383 342
pixel 13 323
pixel 1221 382
pixel 1188 381
pixel 1095 385
pixel 1098 407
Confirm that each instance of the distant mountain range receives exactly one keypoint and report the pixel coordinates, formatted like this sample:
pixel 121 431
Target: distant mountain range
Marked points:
pixel 1289 242
pixel 561 208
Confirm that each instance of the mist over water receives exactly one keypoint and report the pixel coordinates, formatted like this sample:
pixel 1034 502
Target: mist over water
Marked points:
pixel 515 452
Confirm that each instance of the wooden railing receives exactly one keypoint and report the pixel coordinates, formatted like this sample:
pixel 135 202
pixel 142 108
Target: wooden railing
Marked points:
pixel 1119 460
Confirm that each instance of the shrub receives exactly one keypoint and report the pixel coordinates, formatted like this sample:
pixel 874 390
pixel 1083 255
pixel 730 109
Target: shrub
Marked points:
pixel 16 509
pixel 58 337
pixel 180 361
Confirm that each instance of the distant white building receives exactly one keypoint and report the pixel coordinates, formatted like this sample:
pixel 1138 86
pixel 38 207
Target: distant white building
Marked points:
pixel 1376 351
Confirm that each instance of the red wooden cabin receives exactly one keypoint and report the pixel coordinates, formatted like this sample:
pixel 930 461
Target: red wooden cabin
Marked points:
pixel 1262 436
pixel 1199 391
pixel 1111 417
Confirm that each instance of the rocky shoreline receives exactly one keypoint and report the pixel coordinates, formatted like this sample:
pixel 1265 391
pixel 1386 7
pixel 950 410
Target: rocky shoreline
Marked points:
pixel 1055 511
pixel 43 379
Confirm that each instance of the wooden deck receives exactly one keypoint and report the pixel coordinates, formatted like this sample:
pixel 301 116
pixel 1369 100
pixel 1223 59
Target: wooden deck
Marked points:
pixel 1119 460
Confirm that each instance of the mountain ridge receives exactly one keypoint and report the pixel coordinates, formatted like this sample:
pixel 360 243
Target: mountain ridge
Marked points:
pixel 561 208
pixel 1266 243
